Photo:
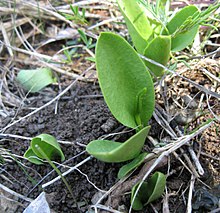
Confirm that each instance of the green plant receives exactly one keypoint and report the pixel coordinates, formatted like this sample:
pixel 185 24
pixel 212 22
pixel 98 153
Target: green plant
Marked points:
pixel 129 93
pixel 77 16
pixel 128 90
pixel 48 144
pixel 127 168
pixel 45 147
pixel 69 54
pixel 87 41
pixel 127 85
pixel 155 34
pixel 149 191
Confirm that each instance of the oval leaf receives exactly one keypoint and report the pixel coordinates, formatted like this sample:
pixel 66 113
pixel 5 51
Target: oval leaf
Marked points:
pixel 182 40
pixel 159 51
pixel 48 145
pixel 109 151
pixel 35 80
pixel 137 22
pixel 122 76
pixel 124 170
pixel 149 191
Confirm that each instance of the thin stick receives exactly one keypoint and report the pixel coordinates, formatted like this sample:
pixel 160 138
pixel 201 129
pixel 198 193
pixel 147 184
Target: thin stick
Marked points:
pixel 90 182
pixel 105 22
pixel 189 203
pixel 214 94
pixel 67 172
pixel 106 208
pixel 29 138
pixel 211 75
pixel 6 39
pixel 196 161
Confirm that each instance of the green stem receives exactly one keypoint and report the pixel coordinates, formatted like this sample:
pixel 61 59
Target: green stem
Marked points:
pixel 55 168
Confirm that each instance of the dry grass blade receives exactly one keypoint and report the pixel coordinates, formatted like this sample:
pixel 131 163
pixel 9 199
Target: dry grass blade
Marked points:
pixel 201 88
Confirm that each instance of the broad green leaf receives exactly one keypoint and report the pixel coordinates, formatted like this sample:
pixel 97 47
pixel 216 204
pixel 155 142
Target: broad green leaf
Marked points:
pixel 124 170
pixel 136 19
pixel 159 51
pixel 149 191
pixel 35 80
pixel 48 144
pixel 182 40
pixel 122 76
pixel 32 157
pixel 110 151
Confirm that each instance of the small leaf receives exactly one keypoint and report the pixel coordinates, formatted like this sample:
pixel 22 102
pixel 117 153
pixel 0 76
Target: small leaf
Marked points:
pixel 137 22
pixel 109 151
pixel 182 40
pixel 35 80
pixel 159 51
pixel 32 157
pixel 48 144
pixel 124 170
pixel 83 36
pixel 149 191
pixel 156 186
pixel 122 76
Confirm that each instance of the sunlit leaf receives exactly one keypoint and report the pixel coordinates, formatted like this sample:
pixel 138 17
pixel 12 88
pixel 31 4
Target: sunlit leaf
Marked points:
pixel 182 39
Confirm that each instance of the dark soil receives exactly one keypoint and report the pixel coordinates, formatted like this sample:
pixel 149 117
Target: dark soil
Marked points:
pixel 82 116
pixel 78 119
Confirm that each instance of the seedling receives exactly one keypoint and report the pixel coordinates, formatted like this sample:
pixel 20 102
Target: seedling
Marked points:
pixel 129 93
pixel 48 144
pixel 77 15
pixel 45 147
pixel 69 54
pixel 128 90
pixel 87 41
pixel 149 191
